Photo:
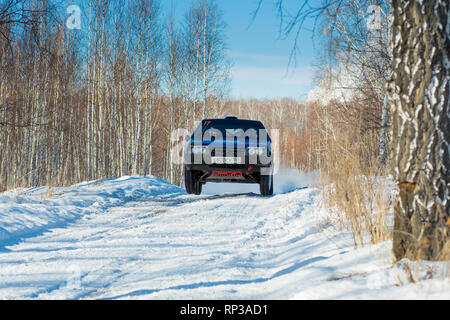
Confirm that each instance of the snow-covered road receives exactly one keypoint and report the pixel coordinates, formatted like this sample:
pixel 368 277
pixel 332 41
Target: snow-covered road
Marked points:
pixel 142 238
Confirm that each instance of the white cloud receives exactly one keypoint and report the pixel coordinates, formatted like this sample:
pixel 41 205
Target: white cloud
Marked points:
pixel 336 85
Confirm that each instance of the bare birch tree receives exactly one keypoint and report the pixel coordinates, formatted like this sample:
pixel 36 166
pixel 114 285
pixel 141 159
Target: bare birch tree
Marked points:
pixel 419 98
pixel 419 101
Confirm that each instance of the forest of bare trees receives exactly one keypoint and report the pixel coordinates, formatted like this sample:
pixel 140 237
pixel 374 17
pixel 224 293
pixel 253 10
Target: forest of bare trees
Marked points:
pixel 116 96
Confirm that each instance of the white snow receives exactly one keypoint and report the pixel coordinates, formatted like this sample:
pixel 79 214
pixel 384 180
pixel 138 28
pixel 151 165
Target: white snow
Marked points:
pixel 143 238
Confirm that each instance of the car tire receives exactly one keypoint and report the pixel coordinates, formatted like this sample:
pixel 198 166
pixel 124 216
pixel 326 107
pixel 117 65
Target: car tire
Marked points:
pixel 191 185
pixel 188 181
pixel 197 187
pixel 266 185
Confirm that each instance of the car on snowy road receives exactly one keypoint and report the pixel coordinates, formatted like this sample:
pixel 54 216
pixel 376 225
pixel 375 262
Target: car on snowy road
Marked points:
pixel 228 150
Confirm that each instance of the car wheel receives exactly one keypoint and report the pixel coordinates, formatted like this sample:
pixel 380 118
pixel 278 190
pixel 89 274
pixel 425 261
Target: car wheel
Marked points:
pixel 188 181
pixel 197 187
pixel 266 185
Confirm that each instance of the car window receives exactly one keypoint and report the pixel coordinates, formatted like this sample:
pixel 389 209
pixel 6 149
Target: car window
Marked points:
pixel 230 128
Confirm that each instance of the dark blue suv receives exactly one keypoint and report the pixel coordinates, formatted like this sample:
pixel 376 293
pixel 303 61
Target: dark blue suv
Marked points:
pixel 228 150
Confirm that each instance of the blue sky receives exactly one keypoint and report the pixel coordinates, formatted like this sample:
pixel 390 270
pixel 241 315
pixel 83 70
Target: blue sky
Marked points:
pixel 259 56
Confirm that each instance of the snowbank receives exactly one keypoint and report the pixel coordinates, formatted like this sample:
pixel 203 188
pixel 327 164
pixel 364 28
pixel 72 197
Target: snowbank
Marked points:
pixel 33 210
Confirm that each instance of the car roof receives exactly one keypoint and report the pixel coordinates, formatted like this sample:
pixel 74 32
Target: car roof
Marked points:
pixel 246 122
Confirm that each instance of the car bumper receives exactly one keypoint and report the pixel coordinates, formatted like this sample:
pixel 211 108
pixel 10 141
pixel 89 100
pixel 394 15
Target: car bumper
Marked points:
pixel 238 173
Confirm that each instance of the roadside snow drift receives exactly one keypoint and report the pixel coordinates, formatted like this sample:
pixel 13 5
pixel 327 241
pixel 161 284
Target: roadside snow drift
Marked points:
pixel 24 211
pixel 143 238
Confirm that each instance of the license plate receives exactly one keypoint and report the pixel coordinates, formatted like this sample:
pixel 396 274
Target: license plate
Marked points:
pixel 226 160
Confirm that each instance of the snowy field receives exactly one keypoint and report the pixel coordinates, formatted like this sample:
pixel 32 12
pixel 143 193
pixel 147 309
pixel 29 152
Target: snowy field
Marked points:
pixel 143 238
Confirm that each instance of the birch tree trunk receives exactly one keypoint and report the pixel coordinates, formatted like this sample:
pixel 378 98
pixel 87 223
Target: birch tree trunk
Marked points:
pixel 205 62
pixel 383 135
pixel 418 92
